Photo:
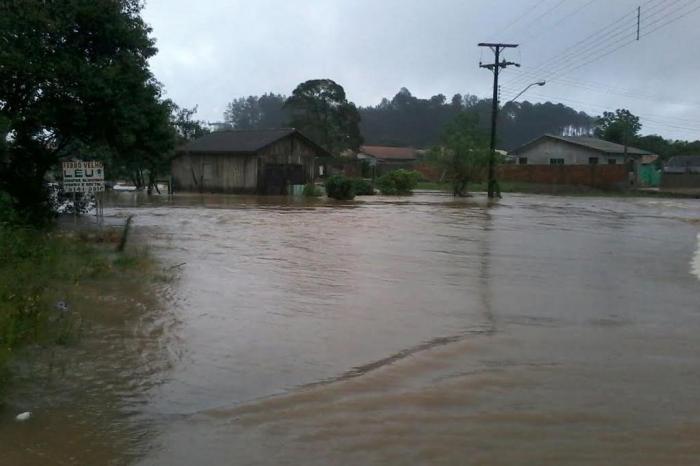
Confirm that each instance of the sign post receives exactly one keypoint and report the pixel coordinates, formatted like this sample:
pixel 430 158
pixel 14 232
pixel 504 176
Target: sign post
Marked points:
pixel 83 177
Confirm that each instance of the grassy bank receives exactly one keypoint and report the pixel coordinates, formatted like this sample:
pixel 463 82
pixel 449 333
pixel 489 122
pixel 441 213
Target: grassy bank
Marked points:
pixel 39 272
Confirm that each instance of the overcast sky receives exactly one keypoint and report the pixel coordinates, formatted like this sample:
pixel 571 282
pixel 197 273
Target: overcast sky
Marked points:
pixel 213 51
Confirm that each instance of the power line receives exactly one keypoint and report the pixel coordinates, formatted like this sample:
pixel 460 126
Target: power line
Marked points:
pixel 600 36
pixel 607 52
pixel 657 120
pixel 591 55
pixel 520 17
pixel 562 19
pixel 606 89
pixel 672 21
pixel 616 32
pixel 545 13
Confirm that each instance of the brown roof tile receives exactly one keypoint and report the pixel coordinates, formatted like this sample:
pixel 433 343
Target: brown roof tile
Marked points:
pixel 389 153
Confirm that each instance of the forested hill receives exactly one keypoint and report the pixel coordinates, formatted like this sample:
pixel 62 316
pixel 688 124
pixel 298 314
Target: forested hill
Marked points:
pixel 407 120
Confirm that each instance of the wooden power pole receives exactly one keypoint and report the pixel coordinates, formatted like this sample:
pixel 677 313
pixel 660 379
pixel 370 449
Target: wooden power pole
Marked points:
pixel 495 67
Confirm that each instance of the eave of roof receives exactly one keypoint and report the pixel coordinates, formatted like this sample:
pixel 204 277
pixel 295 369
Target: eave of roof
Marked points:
pixel 243 142
pixel 389 152
pixel 598 145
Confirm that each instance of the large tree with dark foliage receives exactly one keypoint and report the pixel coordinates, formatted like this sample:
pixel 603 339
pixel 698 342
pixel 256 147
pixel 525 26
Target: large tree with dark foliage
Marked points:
pixel 74 81
pixel 320 109
pixel 620 126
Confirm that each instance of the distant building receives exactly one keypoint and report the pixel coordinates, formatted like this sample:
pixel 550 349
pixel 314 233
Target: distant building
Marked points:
pixel 246 161
pixel 683 164
pixel 388 155
pixel 575 150
pixel 384 159
pixel 682 172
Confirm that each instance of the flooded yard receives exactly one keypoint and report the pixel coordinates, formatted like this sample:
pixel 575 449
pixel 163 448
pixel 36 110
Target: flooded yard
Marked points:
pixel 419 330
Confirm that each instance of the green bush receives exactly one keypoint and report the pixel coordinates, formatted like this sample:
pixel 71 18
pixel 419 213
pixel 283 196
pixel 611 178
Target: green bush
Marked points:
pixel 310 190
pixel 363 187
pixel 8 215
pixel 399 182
pixel 340 187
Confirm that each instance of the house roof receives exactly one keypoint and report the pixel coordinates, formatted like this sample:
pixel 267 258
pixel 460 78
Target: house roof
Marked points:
pixel 246 141
pixel 596 144
pixel 682 164
pixel 389 153
pixel 684 161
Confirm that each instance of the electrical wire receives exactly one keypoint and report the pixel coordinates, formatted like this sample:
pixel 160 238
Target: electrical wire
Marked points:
pixel 520 17
pixel 606 89
pixel 656 120
pixel 561 20
pixel 604 53
pixel 545 13
pixel 615 36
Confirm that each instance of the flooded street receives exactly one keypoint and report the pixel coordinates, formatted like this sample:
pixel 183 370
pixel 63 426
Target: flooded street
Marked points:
pixel 420 330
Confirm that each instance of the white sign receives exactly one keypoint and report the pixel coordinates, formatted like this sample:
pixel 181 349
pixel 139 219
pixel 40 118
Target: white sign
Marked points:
pixel 83 177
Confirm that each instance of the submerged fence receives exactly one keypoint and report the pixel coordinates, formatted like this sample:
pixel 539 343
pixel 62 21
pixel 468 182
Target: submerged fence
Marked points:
pixel 595 176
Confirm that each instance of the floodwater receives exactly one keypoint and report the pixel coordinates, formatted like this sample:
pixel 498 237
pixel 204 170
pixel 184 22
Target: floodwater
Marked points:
pixel 537 330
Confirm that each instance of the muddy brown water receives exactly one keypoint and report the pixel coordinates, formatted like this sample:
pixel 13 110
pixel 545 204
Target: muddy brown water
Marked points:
pixel 421 330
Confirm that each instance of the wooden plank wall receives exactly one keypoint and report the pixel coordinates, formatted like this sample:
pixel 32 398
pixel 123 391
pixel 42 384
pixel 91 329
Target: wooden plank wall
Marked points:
pixel 232 173
pixel 215 173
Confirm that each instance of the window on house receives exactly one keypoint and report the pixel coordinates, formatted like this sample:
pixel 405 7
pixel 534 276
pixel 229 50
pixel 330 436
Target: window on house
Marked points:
pixel 612 161
pixel 556 161
pixel 522 160
pixel 592 160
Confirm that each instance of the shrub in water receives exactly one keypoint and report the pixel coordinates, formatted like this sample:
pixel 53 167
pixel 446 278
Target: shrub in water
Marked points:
pixel 310 190
pixel 363 187
pixel 339 187
pixel 399 182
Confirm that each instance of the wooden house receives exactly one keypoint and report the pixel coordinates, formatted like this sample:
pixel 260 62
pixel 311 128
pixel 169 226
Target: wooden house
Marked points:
pixel 246 161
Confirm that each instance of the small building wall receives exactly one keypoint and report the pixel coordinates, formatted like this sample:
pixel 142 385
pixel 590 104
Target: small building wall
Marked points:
pixel 543 151
pixel 227 173
pixel 288 151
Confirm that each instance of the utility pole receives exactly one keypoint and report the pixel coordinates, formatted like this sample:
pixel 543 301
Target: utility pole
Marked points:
pixel 639 19
pixel 493 188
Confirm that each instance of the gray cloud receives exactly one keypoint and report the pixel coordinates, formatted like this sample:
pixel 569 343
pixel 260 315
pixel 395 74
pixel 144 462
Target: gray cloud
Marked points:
pixel 219 50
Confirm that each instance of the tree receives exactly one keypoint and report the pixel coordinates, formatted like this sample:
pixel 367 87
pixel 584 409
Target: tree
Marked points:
pixel 320 109
pixel 406 120
pixel 621 127
pixel 257 112
pixel 186 127
pixel 74 80
pixel 464 153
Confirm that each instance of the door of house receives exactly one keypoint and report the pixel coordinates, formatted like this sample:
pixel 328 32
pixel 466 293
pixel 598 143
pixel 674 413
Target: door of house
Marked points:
pixel 275 179
pixel 279 176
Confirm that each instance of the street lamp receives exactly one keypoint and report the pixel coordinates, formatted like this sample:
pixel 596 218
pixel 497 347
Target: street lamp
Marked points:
pixel 538 83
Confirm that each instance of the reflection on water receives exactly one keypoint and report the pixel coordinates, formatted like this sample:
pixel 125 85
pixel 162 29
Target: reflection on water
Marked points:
pixel 695 263
pixel 418 330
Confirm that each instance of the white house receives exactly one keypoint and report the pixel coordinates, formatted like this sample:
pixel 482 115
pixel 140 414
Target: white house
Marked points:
pixel 575 150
